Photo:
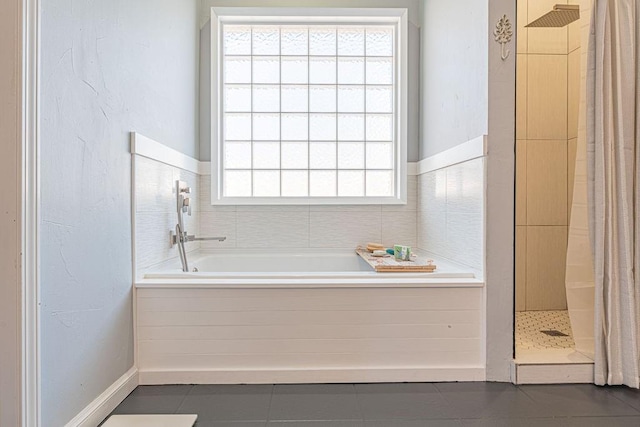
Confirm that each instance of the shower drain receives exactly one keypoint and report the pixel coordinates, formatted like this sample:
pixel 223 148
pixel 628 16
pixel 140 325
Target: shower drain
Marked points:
pixel 554 333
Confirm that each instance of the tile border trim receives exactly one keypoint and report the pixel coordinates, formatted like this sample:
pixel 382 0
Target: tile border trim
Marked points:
pixel 154 150
pixel 469 150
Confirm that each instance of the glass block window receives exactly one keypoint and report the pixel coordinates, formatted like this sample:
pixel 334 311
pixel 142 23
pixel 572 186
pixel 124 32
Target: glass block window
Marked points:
pixel 308 111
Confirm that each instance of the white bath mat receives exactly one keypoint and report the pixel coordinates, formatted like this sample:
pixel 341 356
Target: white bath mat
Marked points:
pixel 187 420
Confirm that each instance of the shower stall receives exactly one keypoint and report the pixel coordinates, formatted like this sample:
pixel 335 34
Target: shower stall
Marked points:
pixel 548 102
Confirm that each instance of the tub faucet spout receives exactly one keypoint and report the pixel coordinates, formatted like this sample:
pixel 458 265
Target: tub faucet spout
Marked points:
pixel 192 238
pixel 175 238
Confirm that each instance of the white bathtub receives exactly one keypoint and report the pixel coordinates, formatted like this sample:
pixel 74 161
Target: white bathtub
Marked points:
pixel 302 265
pixel 306 317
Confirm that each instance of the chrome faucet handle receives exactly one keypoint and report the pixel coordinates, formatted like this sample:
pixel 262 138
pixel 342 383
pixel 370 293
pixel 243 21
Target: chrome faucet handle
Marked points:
pixel 184 204
pixel 183 199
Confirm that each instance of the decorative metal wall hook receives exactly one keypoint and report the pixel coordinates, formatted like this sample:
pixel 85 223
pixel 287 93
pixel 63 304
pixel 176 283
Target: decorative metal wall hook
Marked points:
pixel 503 35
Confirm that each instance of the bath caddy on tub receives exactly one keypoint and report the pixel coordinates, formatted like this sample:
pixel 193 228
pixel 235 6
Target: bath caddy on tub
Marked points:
pixel 388 264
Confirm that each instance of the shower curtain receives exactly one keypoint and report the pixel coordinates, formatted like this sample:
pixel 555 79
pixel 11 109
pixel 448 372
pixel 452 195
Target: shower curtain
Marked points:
pixel 613 165
pixel 579 264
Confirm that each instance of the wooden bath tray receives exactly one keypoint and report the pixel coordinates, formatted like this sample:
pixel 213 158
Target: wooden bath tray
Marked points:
pixel 388 264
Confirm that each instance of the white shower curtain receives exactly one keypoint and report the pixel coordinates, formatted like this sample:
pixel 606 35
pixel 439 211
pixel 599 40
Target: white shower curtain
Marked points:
pixel 613 148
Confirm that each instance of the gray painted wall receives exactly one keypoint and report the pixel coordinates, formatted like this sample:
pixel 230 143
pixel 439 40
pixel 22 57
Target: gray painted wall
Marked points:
pixel 454 44
pixel 499 198
pixel 11 256
pixel 205 92
pixel 108 68
pixel 413 65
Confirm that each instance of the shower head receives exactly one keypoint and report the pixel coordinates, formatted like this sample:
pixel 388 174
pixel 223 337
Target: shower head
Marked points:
pixel 561 15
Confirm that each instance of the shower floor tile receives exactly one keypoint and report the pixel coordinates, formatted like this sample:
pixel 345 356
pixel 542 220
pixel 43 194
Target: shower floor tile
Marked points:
pixel 529 327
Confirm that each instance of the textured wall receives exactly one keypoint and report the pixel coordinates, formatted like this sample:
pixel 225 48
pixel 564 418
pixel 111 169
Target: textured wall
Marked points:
pixel 454 103
pixel 108 68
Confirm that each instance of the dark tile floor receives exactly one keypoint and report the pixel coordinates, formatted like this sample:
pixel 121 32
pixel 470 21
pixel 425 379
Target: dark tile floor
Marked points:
pixel 391 405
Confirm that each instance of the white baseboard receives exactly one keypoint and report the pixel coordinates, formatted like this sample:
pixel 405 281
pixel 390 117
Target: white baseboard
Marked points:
pixel 313 376
pixel 94 413
pixel 472 149
pixel 565 373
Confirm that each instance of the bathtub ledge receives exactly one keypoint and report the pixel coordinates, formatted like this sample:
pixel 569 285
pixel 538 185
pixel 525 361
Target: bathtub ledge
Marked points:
pixel 298 283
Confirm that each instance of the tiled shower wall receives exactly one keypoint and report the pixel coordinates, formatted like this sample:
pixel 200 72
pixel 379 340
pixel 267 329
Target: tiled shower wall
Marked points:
pixel 155 210
pixel 546 132
pixel 451 213
pixel 315 227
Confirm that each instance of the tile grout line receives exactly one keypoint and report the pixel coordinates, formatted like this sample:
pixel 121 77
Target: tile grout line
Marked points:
pixel 273 389
pixel 609 391
pixel 184 398
pixel 360 411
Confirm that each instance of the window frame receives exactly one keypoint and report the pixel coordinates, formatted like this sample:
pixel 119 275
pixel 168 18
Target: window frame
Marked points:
pixel 398 17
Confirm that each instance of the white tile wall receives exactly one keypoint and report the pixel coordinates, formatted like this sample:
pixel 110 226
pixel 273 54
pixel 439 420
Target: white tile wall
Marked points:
pixel 153 186
pixel 432 191
pixel 412 198
pixel 272 226
pixel 464 238
pixel 340 229
pixel 152 238
pixel 432 232
pixel 399 227
pixel 451 212
pixel 465 188
pixel 443 215
pixel 333 226
pixel 155 210
pixel 221 223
